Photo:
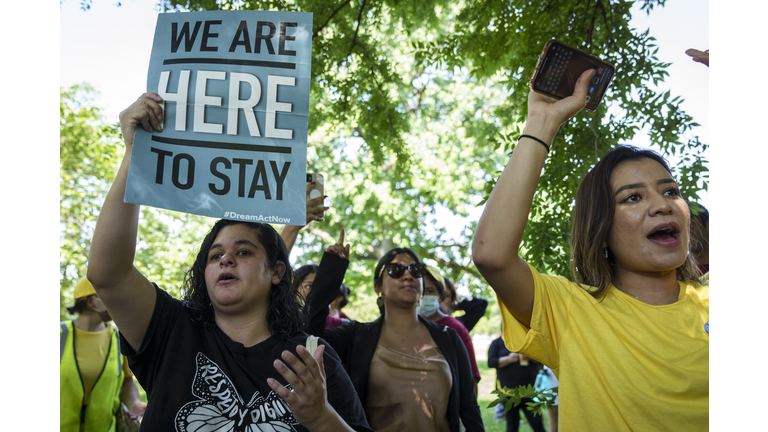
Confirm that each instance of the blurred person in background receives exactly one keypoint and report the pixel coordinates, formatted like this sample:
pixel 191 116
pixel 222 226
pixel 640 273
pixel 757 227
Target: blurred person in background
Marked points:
pixel 473 308
pixel 513 370
pixel 434 293
pixel 95 377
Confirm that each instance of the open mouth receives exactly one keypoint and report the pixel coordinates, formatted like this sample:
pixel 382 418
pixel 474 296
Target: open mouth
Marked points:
pixel 665 235
pixel 225 277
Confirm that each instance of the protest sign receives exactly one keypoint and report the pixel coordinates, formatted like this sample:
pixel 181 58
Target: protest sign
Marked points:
pixel 234 138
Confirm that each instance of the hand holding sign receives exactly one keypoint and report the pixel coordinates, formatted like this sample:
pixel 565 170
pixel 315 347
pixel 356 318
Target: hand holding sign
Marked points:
pixel 147 112
pixel 232 87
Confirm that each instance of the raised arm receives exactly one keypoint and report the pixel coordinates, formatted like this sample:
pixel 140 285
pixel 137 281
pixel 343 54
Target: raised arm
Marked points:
pixel 500 229
pixel 325 287
pixel 289 233
pixel 474 309
pixel 127 294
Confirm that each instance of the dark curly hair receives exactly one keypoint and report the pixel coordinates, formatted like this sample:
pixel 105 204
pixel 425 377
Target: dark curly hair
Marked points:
pixel 284 316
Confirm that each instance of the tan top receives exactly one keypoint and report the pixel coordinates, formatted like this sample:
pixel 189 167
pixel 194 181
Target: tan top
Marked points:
pixel 408 392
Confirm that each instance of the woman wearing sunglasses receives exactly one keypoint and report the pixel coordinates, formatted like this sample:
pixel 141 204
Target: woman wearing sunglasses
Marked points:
pixel 409 373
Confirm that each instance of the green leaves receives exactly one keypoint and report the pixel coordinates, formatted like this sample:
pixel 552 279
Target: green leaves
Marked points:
pixel 89 154
pixel 415 107
pixel 540 402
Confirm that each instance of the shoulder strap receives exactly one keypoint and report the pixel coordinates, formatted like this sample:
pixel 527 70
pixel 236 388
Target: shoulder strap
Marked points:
pixel 116 334
pixel 311 344
pixel 63 342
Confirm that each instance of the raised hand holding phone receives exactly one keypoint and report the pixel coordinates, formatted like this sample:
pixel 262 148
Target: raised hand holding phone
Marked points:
pixel 499 232
pixel 315 212
pixel 559 67
pixel 547 114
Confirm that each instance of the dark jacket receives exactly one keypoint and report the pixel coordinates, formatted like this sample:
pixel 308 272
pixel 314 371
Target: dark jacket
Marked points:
pixel 356 342
pixel 514 374
pixel 474 309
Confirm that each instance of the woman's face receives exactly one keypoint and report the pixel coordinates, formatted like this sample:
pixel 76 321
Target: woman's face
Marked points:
pixel 651 220
pixel 237 273
pixel 430 288
pixel 406 289
pixel 306 284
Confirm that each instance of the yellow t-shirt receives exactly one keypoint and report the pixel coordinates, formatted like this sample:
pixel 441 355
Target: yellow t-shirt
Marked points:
pixel 623 365
pixel 91 350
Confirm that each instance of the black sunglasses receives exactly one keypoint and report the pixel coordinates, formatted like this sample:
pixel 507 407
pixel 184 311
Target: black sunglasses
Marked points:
pixel 397 270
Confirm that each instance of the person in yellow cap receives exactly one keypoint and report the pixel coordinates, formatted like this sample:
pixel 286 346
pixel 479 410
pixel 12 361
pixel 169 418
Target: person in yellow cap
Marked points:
pixel 94 374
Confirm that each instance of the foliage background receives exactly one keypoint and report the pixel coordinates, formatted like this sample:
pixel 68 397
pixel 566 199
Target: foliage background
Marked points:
pixel 415 108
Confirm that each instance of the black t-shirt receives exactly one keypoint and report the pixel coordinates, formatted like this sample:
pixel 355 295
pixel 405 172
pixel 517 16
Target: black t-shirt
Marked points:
pixel 198 379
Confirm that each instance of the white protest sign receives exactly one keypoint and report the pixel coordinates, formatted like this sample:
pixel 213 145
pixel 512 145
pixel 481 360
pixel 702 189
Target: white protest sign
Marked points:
pixel 234 139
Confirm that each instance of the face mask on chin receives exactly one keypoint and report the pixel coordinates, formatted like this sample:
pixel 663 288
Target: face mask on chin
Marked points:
pixel 429 305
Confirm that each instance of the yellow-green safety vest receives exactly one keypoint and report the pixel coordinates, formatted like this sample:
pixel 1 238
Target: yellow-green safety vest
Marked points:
pixel 104 400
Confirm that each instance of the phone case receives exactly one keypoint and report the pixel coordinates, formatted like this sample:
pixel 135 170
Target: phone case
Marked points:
pixel 560 65
pixel 319 188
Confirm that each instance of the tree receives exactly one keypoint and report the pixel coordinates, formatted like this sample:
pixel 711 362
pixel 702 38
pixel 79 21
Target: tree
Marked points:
pixel 89 153
pixel 416 106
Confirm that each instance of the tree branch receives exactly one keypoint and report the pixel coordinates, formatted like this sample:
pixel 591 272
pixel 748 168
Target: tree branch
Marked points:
pixel 357 29
pixel 319 29
pixel 322 234
pixel 454 265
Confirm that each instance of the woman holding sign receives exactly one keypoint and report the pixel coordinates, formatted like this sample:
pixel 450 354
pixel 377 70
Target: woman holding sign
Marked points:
pixel 631 335
pixel 231 355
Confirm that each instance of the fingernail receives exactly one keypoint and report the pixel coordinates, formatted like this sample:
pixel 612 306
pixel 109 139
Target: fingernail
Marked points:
pixel 278 364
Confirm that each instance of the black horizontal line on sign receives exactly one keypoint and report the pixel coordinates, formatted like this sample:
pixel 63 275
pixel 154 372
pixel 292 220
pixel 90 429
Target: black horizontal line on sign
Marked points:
pixel 220 145
pixel 259 63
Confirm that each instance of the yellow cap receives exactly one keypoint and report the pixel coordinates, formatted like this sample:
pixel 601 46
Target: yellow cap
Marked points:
pixel 436 274
pixel 84 288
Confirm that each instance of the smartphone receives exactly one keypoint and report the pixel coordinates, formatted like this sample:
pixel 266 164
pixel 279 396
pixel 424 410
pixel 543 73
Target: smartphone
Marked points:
pixel 319 187
pixel 559 67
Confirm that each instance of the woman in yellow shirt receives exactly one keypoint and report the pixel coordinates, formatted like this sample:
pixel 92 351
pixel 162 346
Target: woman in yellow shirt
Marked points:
pixel 629 340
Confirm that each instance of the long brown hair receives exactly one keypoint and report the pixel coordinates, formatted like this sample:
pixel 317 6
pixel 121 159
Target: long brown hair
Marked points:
pixel 593 218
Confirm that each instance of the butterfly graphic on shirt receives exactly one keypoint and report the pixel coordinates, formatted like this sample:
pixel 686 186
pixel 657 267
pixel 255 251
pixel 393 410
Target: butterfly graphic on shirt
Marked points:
pixel 221 409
